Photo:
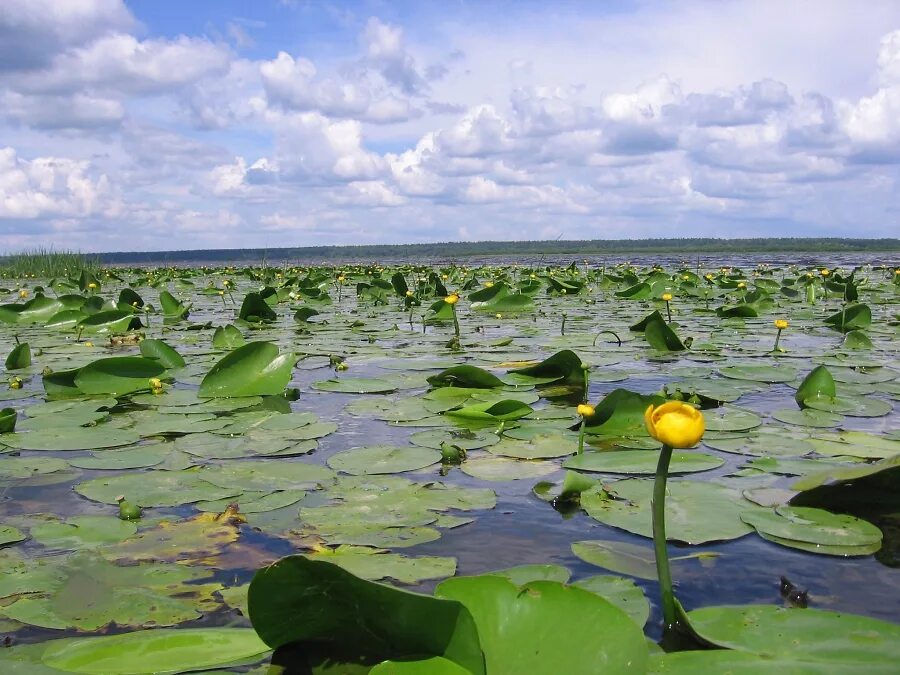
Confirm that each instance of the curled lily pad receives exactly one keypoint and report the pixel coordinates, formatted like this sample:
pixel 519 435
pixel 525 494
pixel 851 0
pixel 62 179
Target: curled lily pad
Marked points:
pixel 255 369
pixel 10 535
pixel 813 526
pixel 118 375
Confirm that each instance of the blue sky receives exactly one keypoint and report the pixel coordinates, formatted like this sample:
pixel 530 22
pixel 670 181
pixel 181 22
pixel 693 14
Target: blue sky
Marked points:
pixel 155 125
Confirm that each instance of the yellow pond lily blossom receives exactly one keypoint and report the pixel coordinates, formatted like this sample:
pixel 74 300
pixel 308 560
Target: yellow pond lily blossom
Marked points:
pixel 667 297
pixel 452 299
pixel 781 324
pixel 586 410
pixel 675 424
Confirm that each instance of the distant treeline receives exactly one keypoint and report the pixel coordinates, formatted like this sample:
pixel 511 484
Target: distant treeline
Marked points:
pixel 510 248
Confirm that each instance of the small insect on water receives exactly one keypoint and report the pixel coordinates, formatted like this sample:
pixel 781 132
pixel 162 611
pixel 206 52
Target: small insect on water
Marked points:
pixel 794 595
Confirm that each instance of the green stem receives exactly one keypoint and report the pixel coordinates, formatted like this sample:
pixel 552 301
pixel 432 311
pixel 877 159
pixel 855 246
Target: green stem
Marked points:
pixel 659 538
pixel 777 340
pixel 581 437
pixel 455 320
pixel 669 311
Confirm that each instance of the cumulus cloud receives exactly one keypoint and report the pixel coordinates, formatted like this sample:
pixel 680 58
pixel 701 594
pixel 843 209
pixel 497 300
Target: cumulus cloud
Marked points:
pixel 190 142
pixel 32 32
pixel 50 186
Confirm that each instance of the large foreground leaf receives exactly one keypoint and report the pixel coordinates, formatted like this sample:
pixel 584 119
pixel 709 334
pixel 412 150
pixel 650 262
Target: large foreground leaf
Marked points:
pixel 521 628
pixel 316 604
pixel 256 369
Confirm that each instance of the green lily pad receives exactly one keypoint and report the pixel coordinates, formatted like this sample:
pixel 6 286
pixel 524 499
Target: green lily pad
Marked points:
pixel 360 619
pixel 382 459
pixel 509 616
pixel 375 564
pixel 79 532
pixel 641 462
pixel 355 385
pixel 815 526
pixel 158 651
pixel 255 369
pixel 154 488
pixel 504 468
pixel 623 593
pixel 808 417
pixel 769 374
pixel 10 535
pixel 813 635
pixel 467 439
pixel 730 418
pixel 539 447
pixel 65 438
pixel 696 512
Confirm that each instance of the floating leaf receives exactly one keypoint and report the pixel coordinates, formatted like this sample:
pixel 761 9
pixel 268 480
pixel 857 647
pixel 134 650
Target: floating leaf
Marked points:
pixel 157 651
pixel 256 369
pixel 383 459
pixel 358 619
pixel 509 616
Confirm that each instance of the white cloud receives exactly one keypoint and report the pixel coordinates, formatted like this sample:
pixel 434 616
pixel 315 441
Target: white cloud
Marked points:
pixel 50 186
pixel 386 50
pixel 122 63
pixel 32 32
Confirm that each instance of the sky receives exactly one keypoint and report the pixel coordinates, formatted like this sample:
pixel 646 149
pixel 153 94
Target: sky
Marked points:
pixel 161 125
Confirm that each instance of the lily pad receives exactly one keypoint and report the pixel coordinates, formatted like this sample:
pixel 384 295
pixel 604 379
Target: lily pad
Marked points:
pixel 382 459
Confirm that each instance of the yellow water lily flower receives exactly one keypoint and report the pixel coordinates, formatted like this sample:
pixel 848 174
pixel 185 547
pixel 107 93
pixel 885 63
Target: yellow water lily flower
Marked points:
pixel 23 293
pixel 825 272
pixel 488 284
pixel 675 424
pixel 585 410
pixel 92 285
pixel 155 383
pixel 452 299
pixel 741 284
pixel 88 344
pixel 667 296
pixel 781 324
pixel 409 294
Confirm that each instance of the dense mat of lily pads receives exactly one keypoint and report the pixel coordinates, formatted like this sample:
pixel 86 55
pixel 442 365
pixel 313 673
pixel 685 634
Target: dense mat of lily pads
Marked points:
pixel 164 433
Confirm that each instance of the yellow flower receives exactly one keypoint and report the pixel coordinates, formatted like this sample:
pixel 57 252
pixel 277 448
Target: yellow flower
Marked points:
pixel 825 272
pixel 488 284
pixel 23 293
pixel 88 344
pixel 499 316
pixel 585 410
pixel 444 277
pixel 781 324
pixel 675 423
pixel 897 271
pixel 709 276
pixel 341 278
pixel 532 276
pixel 15 382
pixel 92 285
pixel 741 284
pixel 686 277
pixel 452 299
pixel 155 383
pixel 667 296
pixel 409 294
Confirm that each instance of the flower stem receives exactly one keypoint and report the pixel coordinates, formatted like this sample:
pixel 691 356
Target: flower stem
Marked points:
pixel 659 538
pixel 581 437
pixel 777 340
pixel 669 311
pixel 455 320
